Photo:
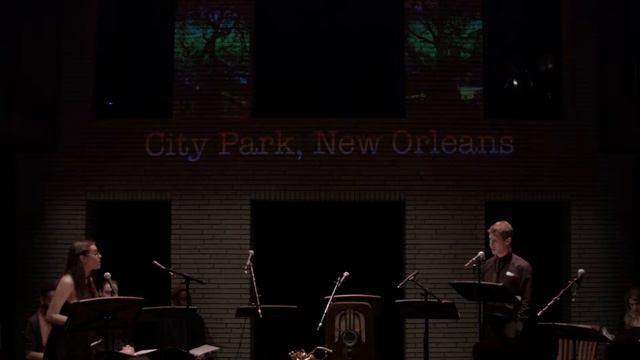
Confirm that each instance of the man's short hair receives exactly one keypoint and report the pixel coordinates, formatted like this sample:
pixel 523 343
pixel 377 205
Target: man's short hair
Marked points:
pixel 502 228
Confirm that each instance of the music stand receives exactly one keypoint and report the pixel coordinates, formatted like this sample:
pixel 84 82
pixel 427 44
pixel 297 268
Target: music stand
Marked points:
pixel 167 327
pixel 574 332
pixel 483 292
pixel 104 316
pixel 427 309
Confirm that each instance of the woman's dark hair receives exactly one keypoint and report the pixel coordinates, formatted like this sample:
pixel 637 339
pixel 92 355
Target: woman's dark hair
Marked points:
pixel 84 286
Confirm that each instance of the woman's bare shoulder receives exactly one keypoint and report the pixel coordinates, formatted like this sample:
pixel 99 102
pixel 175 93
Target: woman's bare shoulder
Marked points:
pixel 66 280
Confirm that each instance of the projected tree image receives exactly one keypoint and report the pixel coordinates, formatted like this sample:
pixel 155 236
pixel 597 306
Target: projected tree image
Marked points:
pixel 212 55
pixel 444 50
pixel 443 53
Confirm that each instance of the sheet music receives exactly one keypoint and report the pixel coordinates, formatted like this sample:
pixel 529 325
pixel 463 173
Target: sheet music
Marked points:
pixel 144 352
pixel 607 334
pixel 204 349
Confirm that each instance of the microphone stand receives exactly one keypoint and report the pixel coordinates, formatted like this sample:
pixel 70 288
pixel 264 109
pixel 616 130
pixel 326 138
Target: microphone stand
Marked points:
pixel 556 298
pixel 187 282
pixel 426 292
pixel 337 285
pixel 480 304
pixel 254 286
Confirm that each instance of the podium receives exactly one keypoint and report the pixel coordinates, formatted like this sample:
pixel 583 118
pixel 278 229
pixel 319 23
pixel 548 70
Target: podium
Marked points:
pixel 427 309
pixel 106 316
pixel 582 339
pixel 483 292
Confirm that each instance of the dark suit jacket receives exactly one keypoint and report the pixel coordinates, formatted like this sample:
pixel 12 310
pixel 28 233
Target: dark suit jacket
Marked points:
pixel 516 274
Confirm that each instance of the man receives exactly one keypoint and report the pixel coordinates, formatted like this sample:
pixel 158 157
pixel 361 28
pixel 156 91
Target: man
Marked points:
pixel 38 328
pixel 179 297
pixel 107 290
pixel 503 323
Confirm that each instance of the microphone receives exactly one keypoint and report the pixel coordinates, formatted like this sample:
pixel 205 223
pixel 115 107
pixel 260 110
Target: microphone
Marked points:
pixel 107 278
pixel 576 284
pixel 410 277
pixel 248 263
pixel 162 267
pixel 344 276
pixel 474 260
pixel 159 265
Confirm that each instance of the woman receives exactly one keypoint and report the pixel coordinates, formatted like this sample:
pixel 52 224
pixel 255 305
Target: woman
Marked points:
pixel 632 308
pixel 75 284
pixel 626 344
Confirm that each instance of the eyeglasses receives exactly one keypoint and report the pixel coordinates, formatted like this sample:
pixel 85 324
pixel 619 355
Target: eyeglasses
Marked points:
pixel 95 254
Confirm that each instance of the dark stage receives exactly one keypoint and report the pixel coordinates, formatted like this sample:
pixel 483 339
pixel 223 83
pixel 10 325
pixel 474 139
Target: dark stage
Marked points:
pixel 295 149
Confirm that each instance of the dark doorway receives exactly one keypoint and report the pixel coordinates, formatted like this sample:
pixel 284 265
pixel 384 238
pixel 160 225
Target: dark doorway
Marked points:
pixel 301 248
pixel 130 235
pixel 541 236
